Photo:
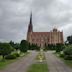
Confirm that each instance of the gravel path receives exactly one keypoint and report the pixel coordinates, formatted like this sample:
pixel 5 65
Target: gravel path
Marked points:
pixel 21 65
pixel 55 64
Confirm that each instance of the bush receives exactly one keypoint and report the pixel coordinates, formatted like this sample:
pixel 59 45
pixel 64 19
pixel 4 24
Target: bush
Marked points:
pixel 50 47
pixel 68 53
pixel 10 57
pixel 5 49
pixel 59 47
pixel 68 57
pixel 16 54
pixel 23 46
pixel 61 54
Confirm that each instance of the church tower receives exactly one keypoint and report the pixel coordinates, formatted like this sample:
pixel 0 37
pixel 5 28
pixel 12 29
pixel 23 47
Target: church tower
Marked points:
pixel 30 28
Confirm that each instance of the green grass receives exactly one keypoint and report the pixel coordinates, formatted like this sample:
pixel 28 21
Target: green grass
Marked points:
pixel 4 62
pixel 67 62
pixel 38 68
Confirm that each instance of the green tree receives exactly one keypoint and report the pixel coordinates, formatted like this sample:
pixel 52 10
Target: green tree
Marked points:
pixel 69 39
pixel 5 49
pixel 23 46
pixel 17 46
pixel 14 45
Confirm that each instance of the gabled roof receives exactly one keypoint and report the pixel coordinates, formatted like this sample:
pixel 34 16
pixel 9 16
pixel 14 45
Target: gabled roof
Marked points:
pixel 40 33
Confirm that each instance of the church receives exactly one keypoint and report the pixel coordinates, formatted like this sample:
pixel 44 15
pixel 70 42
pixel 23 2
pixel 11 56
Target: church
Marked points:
pixel 41 38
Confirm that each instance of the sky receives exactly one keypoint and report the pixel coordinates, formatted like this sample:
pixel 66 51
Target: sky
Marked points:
pixel 47 14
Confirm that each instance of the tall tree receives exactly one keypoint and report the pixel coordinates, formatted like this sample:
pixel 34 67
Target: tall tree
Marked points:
pixel 23 46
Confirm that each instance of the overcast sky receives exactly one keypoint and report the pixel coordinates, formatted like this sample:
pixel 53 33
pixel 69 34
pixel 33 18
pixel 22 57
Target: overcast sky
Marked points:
pixel 15 14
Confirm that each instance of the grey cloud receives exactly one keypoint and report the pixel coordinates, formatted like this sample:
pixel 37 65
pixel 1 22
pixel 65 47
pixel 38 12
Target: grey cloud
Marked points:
pixel 14 17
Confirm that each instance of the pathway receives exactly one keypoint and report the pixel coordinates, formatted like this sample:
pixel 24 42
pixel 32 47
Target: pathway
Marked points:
pixel 22 64
pixel 55 64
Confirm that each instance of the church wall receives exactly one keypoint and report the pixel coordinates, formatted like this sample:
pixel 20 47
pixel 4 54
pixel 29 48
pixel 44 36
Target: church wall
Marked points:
pixel 42 38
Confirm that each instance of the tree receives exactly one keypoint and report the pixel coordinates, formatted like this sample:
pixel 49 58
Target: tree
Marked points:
pixel 23 46
pixel 14 45
pixel 5 49
pixel 69 39
pixel 17 46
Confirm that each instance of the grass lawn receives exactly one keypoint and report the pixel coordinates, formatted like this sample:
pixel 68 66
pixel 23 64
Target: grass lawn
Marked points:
pixel 5 62
pixel 38 68
pixel 68 62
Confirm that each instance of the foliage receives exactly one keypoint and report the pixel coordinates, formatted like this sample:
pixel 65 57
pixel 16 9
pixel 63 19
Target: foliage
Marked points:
pixel 17 54
pixel 68 52
pixel 5 49
pixel 49 47
pixel 68 57
pixel 17 46
pixel 59 47
pixel 69 39
pixel 61 54
pixel 14 45
pixel 10 57
pixel 33 47
pixel 23 46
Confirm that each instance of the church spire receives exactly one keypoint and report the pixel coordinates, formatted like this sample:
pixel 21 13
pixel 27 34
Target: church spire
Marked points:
pixel 31 18
pixel 30 28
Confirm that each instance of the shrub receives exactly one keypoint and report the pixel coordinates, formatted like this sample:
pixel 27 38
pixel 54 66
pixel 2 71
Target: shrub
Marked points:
pixel 50 47
pixel 23 46
pixel 59 47
pixel 68 53
pixel 10 57
pixel 16 54
pixel 5 49
pixel 61 54
pixel 68 57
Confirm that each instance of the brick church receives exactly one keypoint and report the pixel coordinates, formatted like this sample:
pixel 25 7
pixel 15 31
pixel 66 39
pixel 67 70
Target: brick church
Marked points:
pixel 42 38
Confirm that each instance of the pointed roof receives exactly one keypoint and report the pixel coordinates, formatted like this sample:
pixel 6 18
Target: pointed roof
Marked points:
pixel 30 28
pixel 31 18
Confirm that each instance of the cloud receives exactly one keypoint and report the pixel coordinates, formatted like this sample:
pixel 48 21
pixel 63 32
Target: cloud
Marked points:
pixel 14 17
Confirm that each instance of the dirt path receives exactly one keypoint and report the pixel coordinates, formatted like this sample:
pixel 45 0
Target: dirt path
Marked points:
pixel 21 65
pixel 55 64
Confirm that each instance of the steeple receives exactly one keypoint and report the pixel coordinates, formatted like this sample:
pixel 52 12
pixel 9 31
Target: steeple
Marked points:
pixel 31 18
pixel 30 27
